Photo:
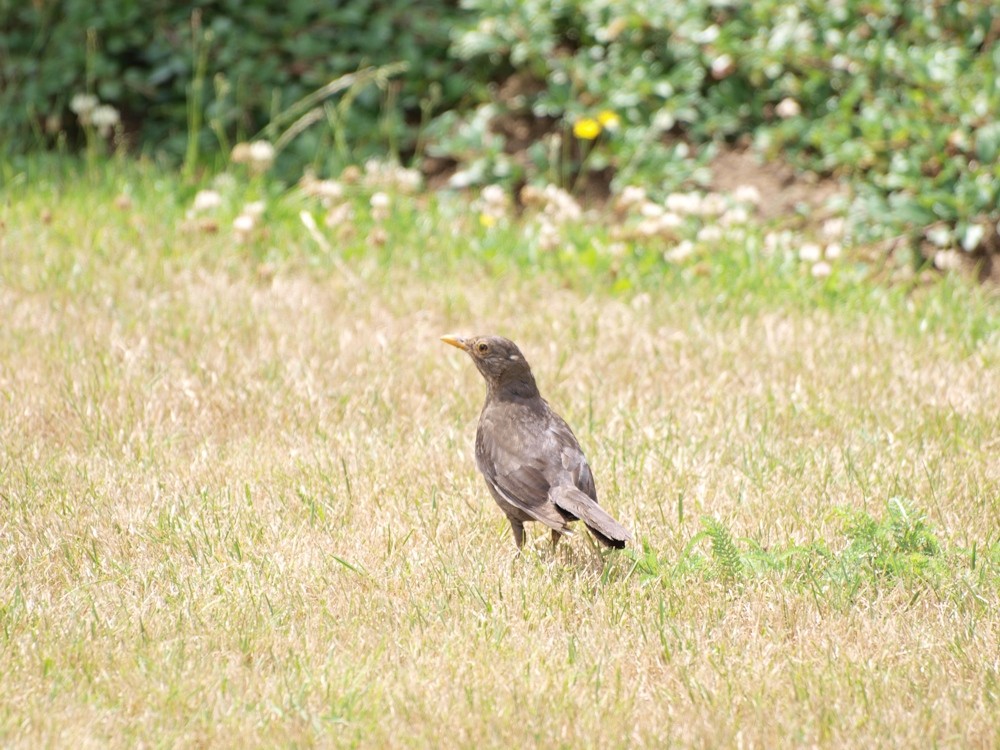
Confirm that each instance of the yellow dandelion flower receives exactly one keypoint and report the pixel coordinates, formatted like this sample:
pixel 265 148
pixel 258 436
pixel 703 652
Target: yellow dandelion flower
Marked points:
pixel 487 220
pixel 587 129
pixel 609 119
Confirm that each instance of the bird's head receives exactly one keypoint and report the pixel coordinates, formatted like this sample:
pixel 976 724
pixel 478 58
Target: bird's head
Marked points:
pixel 498 360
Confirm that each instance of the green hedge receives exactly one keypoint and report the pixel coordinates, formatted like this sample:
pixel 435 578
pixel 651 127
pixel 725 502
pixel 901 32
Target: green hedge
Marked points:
pixel 259 57
pixel 900 97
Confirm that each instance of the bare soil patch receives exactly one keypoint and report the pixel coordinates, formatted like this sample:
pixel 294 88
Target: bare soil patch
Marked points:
pixel 785 191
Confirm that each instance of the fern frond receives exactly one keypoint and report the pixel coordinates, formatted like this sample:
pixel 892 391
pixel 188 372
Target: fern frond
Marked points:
pixel 727 556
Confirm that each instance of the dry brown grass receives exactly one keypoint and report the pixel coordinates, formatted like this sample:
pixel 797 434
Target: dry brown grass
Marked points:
pixel 245 512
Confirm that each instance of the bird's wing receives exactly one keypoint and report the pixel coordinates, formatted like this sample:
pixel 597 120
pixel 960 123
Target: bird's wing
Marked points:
pixel 520 462
pixel 546 513
pixel 572 458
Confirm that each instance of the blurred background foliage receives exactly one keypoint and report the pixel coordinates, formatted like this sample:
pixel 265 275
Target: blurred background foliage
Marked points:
pixel 251 60
pixel 899 98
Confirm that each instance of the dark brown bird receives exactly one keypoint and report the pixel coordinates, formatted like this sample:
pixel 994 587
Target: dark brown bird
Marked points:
pixel 531 460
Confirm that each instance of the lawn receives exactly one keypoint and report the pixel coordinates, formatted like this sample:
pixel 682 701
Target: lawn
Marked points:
pixel 239 504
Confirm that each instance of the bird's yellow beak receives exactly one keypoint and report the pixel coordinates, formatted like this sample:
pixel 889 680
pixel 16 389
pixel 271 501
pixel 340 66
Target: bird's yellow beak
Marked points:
pixel 456 341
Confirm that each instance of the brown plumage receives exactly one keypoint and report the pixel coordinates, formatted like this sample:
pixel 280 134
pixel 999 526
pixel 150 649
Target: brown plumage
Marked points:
pixel 531 460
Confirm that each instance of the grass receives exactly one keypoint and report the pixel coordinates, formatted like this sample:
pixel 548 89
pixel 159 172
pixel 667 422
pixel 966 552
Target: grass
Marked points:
pixel 240 505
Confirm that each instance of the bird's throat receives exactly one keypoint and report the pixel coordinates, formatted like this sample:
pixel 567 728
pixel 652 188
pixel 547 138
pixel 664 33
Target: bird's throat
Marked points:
pixel 516 386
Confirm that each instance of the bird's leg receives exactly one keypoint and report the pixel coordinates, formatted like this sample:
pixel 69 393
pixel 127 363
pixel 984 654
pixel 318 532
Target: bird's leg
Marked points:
pixel 556 536
pixel 518 528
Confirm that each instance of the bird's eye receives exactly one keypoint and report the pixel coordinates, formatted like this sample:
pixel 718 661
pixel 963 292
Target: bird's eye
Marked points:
pixel 483 347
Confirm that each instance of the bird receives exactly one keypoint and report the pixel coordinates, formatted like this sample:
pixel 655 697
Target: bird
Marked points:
pixel 531 460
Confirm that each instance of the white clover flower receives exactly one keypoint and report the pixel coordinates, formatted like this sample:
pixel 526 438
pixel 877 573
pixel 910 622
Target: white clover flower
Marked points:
pixel 408 180
pixel 261 151
pixel 549 237
pixel 463 178
pixel 532 196
pixel 342 214
pixel 947 260
pixel 83 104
pixel 350 175
pixel 723 66
pixel 712 204
pixel 328 190
pixel 747 194
pixel 207 200
pixel 709 234
pixel 940 236
pixel 821 270
pixel 494 195
pixel 651 210
pixel 244 224
pixel 560 205
pixel 787 108
pixel 779 241
pixel 669 221
pixel 261 155
pixel 379 174
pixel 684 203
pixel 832 229
pixel 647 228
pixel 380 206
pixel 240 153
pixel 104 118
pixel 105 115
pixel 631 196
pixel 254 209
pixel 676 202
pixel 735 215
pixel 810 252
pixel 493 205
pixel 833 251
pixel 680 252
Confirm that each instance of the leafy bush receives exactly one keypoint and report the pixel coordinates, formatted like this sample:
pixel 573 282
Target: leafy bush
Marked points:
pixel 899 97
pixel 254 59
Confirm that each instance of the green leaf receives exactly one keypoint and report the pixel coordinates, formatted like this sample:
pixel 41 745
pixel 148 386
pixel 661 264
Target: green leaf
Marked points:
pixel 988 142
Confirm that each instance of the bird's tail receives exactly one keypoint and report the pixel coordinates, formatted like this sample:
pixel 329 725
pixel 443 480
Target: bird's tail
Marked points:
pixel 607 530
